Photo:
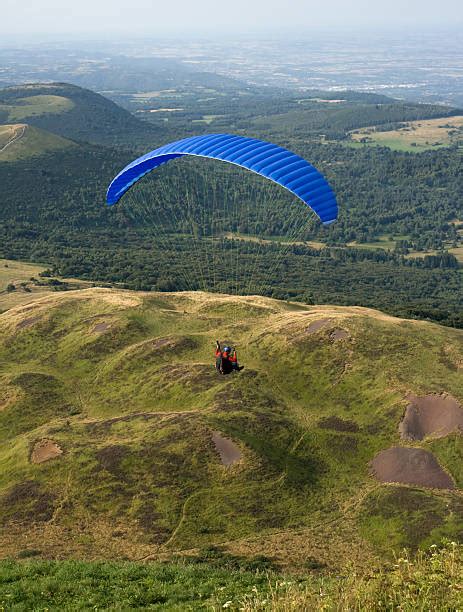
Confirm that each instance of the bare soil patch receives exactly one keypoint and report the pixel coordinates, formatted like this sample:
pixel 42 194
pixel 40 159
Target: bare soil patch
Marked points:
pixel 44 450
pixel 410 466
pixel 315 326
pixel 431 415
pixel 339 334
pixel 228 451
pixel 101 327
pixel 27 322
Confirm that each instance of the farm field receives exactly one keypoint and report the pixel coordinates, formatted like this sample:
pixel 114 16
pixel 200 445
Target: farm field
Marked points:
pixel 457 252
pixel 389 243
pixel 415 136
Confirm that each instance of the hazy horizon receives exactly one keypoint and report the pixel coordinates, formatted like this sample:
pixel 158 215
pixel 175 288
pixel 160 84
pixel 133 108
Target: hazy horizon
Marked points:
pixel 52 19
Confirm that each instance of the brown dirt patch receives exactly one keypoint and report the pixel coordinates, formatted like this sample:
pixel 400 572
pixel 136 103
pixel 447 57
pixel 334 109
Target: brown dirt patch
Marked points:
pixel 28 322
pixel 410 466
pixel 316 326
pixel 431 415
pixel 228 451
pixel 161 342
pixel 339 334
pixel 101 327
pixel 44 450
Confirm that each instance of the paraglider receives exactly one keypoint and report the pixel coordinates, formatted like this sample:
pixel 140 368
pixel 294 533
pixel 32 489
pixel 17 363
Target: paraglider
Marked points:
pixel 269 160
pixel 226 360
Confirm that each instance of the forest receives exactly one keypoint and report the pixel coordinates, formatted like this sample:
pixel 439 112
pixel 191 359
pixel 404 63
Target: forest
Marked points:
pixel 53 210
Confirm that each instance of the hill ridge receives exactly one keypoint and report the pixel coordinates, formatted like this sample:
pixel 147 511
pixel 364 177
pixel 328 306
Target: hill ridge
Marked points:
pixel 77 113
pixel 28 141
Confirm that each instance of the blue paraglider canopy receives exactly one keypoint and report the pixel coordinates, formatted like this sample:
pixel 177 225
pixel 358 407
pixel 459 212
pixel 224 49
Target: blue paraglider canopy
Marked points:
pixel 271 161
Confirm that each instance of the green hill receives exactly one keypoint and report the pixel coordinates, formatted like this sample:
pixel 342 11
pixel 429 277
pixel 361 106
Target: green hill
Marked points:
pixel 121 441
pixel 20 140
pixel 72 112
pixel 36 106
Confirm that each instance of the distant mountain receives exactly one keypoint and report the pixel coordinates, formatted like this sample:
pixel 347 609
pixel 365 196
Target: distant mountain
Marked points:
pixel 113 74
pixel 20 140
pixel 75 113
pixel 128 74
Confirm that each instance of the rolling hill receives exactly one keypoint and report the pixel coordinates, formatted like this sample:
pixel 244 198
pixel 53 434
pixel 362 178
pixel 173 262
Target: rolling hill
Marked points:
pixel 72 112
pixel 339 442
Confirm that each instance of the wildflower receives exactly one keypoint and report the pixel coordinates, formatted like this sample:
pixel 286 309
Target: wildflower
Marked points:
pixel 227 604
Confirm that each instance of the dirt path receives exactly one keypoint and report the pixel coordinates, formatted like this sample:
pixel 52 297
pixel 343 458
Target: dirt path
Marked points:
pixel 18 134
pixel 143 415
pixel 346 511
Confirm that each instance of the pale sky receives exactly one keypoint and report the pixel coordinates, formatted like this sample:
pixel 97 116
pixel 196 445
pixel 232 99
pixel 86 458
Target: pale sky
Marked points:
pixel 132 17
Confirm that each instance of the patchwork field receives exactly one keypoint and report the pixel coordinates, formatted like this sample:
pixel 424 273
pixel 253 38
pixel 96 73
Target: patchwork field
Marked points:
pixel 415 136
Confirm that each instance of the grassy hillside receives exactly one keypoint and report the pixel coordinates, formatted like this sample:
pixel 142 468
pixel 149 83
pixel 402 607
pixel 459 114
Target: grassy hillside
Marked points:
pixel 215 581
pixel 35 106
pixel 116 428
pixel 72 112
pixel 20 140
